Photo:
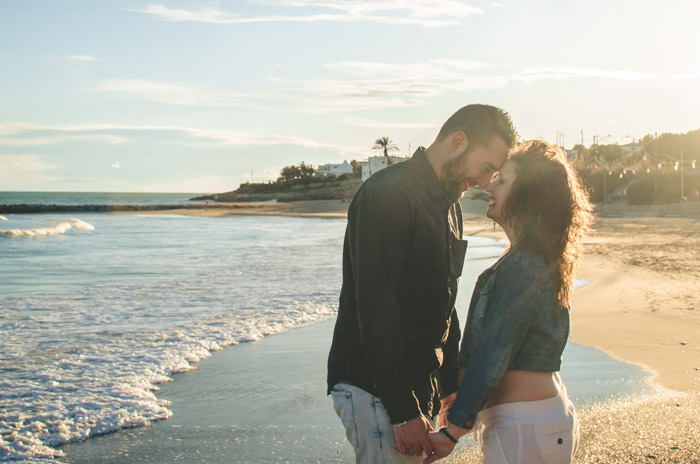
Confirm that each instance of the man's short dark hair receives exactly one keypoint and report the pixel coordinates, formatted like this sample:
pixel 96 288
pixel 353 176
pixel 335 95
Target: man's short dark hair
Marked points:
pixel 480 123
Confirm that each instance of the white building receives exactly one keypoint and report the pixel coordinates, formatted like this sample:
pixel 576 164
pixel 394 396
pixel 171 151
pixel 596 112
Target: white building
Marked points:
pixel 326 170
pixel 377 163
pixel 633 148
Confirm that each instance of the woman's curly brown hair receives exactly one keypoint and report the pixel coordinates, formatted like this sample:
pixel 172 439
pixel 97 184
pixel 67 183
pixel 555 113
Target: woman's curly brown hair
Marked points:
pixel 548 209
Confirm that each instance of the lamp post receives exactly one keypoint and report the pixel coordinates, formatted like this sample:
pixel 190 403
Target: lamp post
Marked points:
pixel 596 142
pixel 682 186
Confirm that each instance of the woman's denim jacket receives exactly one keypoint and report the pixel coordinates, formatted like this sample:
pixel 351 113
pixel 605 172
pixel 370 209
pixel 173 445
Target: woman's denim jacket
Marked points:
pixel 514 322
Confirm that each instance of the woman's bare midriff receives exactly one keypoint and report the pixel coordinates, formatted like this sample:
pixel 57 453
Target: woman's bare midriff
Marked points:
pixel 524 386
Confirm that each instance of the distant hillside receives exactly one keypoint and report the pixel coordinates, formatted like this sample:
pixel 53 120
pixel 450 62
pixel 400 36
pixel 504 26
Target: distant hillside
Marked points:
pixel 339 190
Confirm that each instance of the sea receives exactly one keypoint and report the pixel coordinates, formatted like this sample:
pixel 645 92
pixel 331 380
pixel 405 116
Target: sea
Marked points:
pixel 98 309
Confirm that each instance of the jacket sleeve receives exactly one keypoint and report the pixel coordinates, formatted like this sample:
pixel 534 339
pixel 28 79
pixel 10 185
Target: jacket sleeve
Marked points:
pixel 450 362
pixel 450 351
pixel 514 303
pixel 382 230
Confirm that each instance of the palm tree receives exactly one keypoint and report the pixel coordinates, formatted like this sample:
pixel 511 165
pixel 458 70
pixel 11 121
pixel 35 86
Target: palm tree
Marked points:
pixel 385 145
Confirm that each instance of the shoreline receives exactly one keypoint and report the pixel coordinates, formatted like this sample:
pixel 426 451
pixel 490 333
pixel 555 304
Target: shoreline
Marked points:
pixel 643 306
pixel 620 313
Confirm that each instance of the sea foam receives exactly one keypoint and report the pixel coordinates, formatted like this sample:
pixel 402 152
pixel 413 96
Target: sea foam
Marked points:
pixel 112 314
pixel 58 229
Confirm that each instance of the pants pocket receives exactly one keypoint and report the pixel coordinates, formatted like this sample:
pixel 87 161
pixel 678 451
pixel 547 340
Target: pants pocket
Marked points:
pixel 555 441
pixel 342 403
pixel 495 441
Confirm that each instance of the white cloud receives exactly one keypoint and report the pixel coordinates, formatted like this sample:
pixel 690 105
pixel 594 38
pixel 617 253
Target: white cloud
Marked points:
pixel 692 75
pixel 165 92
pixel 204 184
pixel 81 58
pixel 426 13
pixel 437 68
pixel 25 134
pixel 373 123
pixel 22 170
pixel 566 72
pixel 413 8
pixel 377 85
pixel 115 165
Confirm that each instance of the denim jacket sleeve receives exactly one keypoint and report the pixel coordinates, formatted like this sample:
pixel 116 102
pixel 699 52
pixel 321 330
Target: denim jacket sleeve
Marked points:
pixel 513 303
pixel 382 231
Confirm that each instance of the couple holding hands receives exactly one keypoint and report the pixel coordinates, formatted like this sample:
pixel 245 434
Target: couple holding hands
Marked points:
pixel 404 387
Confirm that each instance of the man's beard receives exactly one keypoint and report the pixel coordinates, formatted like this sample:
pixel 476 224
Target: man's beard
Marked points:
pixel 451 182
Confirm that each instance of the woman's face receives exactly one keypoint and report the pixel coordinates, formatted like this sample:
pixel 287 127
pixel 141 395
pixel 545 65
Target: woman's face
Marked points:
pixel 498 190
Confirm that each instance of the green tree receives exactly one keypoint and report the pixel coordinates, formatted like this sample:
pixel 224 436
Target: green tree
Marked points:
pixel 297 174
pixel 356 168
pixel 289 174
pixel 306 170
pixel 385 145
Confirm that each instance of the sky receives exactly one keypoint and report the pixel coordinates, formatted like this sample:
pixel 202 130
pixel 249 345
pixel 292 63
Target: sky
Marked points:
pixel 200 96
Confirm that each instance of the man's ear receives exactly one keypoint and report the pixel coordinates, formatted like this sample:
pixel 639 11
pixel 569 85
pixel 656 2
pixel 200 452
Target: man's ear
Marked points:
pixel 459 142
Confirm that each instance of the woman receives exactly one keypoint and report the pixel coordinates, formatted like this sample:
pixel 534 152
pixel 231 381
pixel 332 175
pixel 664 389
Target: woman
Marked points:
pixel 518 321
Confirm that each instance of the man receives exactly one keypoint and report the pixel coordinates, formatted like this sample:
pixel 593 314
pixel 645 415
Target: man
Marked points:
pixel 395 345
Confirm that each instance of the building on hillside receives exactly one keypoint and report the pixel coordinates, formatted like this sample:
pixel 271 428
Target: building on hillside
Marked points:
pixel 633 148
pixel 328 169
pixel 377 163
pixel 571 153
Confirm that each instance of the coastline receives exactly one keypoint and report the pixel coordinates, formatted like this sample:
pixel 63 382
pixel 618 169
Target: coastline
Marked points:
pixel 643 306
pixel 640 308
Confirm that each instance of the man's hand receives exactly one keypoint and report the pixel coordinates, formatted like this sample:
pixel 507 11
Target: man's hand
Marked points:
pixel 442 446
pixel 412 437
pixel 445 405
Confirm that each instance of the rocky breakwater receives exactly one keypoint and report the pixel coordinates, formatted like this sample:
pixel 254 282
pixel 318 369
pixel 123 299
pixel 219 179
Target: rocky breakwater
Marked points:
pixel 339 190
pixel 29 209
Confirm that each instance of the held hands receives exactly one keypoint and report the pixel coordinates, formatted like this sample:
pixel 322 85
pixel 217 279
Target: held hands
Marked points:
pixel 445 405
pixel 412 437
pixel 443 443
pixel 442 446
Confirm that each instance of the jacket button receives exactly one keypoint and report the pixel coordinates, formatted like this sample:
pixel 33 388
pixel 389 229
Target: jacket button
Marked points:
pixel 560 441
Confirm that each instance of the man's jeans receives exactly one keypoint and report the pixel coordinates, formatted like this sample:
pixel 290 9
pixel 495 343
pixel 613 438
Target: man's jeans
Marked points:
pixel 367 426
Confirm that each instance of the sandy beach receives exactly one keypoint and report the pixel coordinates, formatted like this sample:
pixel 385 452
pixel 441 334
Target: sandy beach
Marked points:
pixel 642 306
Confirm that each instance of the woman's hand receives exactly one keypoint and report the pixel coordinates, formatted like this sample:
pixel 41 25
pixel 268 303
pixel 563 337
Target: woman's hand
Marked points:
pixel 442 446
pixel 445 405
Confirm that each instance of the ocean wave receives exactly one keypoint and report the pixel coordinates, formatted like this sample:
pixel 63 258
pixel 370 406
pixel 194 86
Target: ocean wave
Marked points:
pixel 58 229
pixel 104 320
pixel 98 388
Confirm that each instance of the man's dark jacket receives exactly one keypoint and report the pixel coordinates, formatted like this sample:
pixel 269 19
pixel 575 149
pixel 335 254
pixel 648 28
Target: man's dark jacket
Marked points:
pixel 397 333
